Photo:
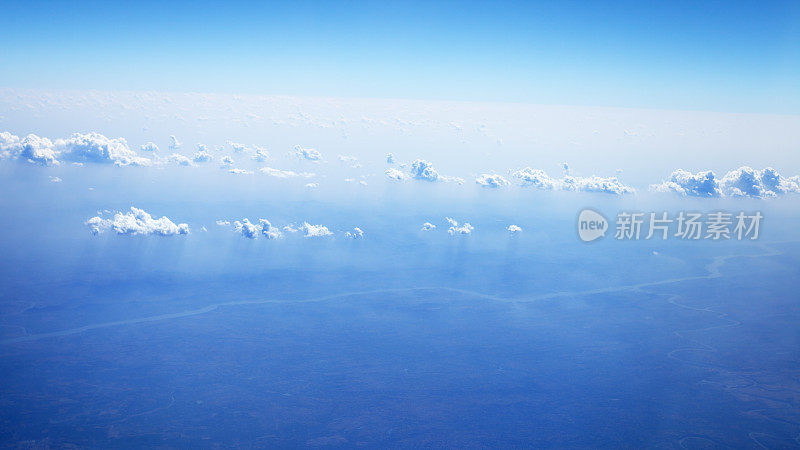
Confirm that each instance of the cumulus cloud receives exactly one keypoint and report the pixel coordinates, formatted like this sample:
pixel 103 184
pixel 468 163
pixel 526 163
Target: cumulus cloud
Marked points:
pixel 254 230
pixel 535 177
pixel 455 228
pixel 236 171
pixel 174 143
pixel 202 154
pixel 33 149
pixel 312 185
pixel 260 154
pixel 701 184
pixel 390 159
pixel 420 170
pixel 514 229
pixel 181 160
pixel 748 182
pixel 226 161
pixel 742 182
pixel 238 148
pixel 55 179
pixel 309 154
pixel 357 233
pixel 137 222
pixel 540 179
pixel 223 223
pixel 285 173
pixel 491 180
pixel 395 174
pixel 149 147
pixel 94 147
pixel 314 230
pixel 423 170
pixel 427 226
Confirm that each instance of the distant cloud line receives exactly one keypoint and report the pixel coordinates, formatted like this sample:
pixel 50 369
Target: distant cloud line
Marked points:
pixel 81 148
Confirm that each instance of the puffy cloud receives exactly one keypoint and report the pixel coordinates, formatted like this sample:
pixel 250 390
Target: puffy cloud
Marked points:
pixel 236 171
pixel 491 180
pixel 179 159
pixel 223 223
pixel 395 174
pixel 202 154
pixel 55 179
pixel 742 182
pixel 701 184
pixel 513 229
pixel 254 230
pixel 260 154
pixel 610 185
pixel 309 154
pixel 535 177
pixel 748 182
pixel 357 233
pixel 174 143
pixel 34 149
pixel 423 170
pixel 238 148
pixel 539 179
pixel 137 222
pixel 454 229
pixel 390 159
pixel 312 185
pixel 149 147
pixel 94 147
pixel 226 161
pixel 285 173
pixel 427 226
pixel 315 230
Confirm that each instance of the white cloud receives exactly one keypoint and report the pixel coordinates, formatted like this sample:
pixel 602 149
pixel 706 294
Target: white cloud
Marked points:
pixel 254 230
pixel 149 147
pixel 395 174
pixel 202 155
pixel 226 161
pixel 309 154
pixel 174 143
pixel 701 184
pixel 238 148
pixel 454 229
pixel 748 182
pixel 536 178
pixel 423 170
pixel 312 185
pixel 181 160
pixel 491 180
pixel 513 229
pixel 610 185
pixel 351 161
pixel 427 226
pixel 390 159
pixel 285 173
pixel 315 230
pixel 260 154
pixel 223 223
pixel 539 179
pixel 137 222
pixel 236 171
pixel 34 149
pixel 357 233
pixel 94 147
pixel 55 179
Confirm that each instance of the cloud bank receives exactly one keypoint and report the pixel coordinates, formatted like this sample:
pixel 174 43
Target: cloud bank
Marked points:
pixel 137 222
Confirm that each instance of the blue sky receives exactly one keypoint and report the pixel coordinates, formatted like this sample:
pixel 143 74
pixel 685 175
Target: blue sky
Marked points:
pixel 720 56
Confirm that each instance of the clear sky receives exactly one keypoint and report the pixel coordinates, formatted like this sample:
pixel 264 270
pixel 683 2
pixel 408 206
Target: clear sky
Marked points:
pixel 723 56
